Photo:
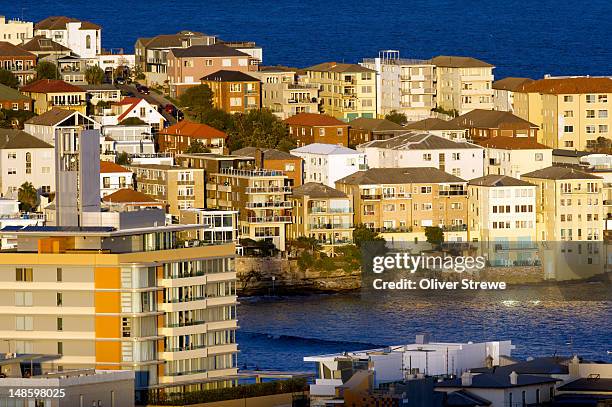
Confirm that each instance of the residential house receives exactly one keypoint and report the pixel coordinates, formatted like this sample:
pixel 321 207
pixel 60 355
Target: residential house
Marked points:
pixel 187 65
pixel 126 199
pixel 463 83
pixel 234 91
pixel 73 68
pixel 362 130
pixel 493 123
pixel 416 149
pixel 407 86
pixel 133 107
pixel 404 201
pixel 53 93
pixel 347 91
pixel 283 95
pixel 46 48
pixel 15 31
pixel 19 61
pixel 323 213
pixel 572 112
pixel 308 128
pixel 134 140
pixel 327 163
pixel 443 128
pixel 25 158
pixel 82 37
pixel 503 92
pixel 272 159
pixel 12 99
pixel 105 92
pixel 177 138
pixel 57 122
pixel 514 156
pixel 114 177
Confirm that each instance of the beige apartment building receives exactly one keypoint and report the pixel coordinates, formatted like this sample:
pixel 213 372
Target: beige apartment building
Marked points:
pixel 572 112
pixel 15 31
pixel 463 83
pixel 323 213
pixel 281 94
pixel 347 91
pixel 514 156
pixel 176 186
pixel 406 200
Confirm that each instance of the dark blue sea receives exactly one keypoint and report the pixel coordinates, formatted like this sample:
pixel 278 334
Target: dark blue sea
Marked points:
pixel 521 38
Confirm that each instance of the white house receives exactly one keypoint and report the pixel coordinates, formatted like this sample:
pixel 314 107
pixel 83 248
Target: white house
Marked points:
pixel 418 149
pixel 515 156
pixel 133 107
pixel 133 140
pixel 25 158
pixel 56 121
pixel 11 216
pixel 105 92
pixel 82 37
pixel 114 177
pixel 327 163
pixel 15 31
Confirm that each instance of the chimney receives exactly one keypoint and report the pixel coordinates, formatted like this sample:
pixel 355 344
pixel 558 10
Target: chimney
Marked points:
pixel 514 378
pixel 489 361
pixel 466 379
pixel 574 367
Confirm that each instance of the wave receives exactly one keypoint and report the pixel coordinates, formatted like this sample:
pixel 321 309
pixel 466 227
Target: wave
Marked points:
pixel 296 340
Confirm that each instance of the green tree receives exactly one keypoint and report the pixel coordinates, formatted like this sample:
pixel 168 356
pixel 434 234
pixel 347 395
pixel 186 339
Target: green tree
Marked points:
pixel 197 147
pixel 434 235
pixel 132 121
pixel 198 100
pixel 259 128
pixel 94 75
pixel 27 196
pixel 47 70
pixel 122 158
pixel 396 117
pixel 362 234
pixel 217 118
pixel 7 78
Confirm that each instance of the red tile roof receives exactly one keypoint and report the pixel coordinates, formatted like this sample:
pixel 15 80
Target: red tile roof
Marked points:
pixel 194 130
pixel 511 143
pixel 60 22
pixel 314 119
pixel 559 86
pixel 51 86
pixel 127 195
pixel 133 102
pixel 108 166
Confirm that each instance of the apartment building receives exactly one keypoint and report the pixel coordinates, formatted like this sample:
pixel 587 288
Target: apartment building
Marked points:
pixel 569 204
pixel 187 65
pixel 572 112
pixel 327 163
pixel 308 128
pixel 12 99
pixel 323 213
pixel 362 130
pixel 176 186
pixel 82 37
pixel 19 61
pixel 15 31
pixel 502 214
pixel 234 91
pixel 114 177
pixel 283 96
pixel 514 157
pixel 215 226
pixel 442 128
pixel 463 83
pixel 44 47
pixel 58 122
pixel 481 123
pixel 416 149
pixel 50 93
pixel 408 200
pixel 405 85
pixel 503 92
pixel 177 138
pixel 347 91
pixel 272 159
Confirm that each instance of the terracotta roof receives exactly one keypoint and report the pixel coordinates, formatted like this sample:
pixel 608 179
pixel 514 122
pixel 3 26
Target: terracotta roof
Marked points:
pixel 433 123
pixel 269 153
pixel 424 175
pixel 511 83
pixel 314 119
pixel 41 44
pixel 169 40
pixel 277 68
pixel 51 86
pixel 559 173
pixel 132 102
pixel 15 139
pixel 51 117
pixel 215 50
pixel 512 143
pixel 8 93
pixel 490 119
pixel 499 181
pixel 364 123
pixel 59 23
pixel 127 195
pixel 9 50
pixel 108 167
pixel 569 86
pixel 459 62
pixel 229 76
pixel 194 130
pixel 419 141
pixel 317 190
pixel 338 67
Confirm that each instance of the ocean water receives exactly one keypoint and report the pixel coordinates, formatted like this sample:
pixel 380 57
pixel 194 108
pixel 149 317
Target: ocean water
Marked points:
pixel 521 38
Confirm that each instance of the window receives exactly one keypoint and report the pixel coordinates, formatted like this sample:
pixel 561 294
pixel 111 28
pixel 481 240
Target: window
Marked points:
pixel 590 129
pixel 143 112
pixel 106 182
pixel 126 327
pixel 602 114
pixel 226 62
pixel 88 42
pixel 568 129
pixel 23 299
pixel 23 323
pixel 243 62
pixel 339 131
pixel 60 324
pixel 603 98
pixel 568 144
pixel 456 156
pixel 590 98
pixel 24 274
pixel 427 157
pixel 590 114
pixel 568 113
pixel 456 172
pixel 235 102
pixel 235 87
pixel 60 348
pixel 539 157
pixel 603 128
pixel 12 171
pixel 58 298
pixel 208 62
pixel 426 190
pixel 568 98
pixel 59 274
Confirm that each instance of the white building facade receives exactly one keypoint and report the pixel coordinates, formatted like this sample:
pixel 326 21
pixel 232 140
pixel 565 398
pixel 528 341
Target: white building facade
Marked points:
pixel 327 163
pixel 15 31
pixel 82 37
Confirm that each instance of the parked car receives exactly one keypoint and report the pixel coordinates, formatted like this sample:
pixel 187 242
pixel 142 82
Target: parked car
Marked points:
pixel 170 108
pixel 119 80
pixel 144 90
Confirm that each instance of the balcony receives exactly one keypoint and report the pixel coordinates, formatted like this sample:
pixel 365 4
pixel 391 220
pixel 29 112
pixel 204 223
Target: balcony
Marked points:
pixel 267 190
pixel 494 161
pixel 334 242
pixel 397 196
pixel 251 173
pixel 271 204
pixel 394 230
pixel 318 209
pixel 452 193
pixel 369 197
pixel 325 226
pixel 454 228
pixel 270 219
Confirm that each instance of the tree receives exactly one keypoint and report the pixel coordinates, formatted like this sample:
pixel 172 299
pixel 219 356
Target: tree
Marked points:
pixel 132 121
pixel 259 128
pixel 94 75
pixel 198 99
pixel 197 147
pixel 396 117
pixel 217 118
pixel 602 145
pixel 122 158
pixel 47 70
pixel 27 196
pixel 7 78
pixel 434 235
pixel 362 234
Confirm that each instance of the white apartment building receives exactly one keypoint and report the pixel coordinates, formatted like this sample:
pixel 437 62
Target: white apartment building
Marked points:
pixel 515 156
pixel 24 158
pixel 404 85
pixel 114 177
pixel 327 163
pixel 15 31
pixel 82 37
pixel 133 140
pixel 416 149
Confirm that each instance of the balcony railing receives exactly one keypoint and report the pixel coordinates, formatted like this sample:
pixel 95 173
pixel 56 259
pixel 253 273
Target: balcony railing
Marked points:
pixel 273 204
pixel 270 219
pixel 370 196
pixel 267 190
pixel 335 241
pixel 452 193
pixel 251 173
pixel 324 226
pixel 397 196
pixel 454 228
pixel 318 209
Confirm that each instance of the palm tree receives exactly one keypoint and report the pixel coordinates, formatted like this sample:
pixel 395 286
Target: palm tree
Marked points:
pixel 28 197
